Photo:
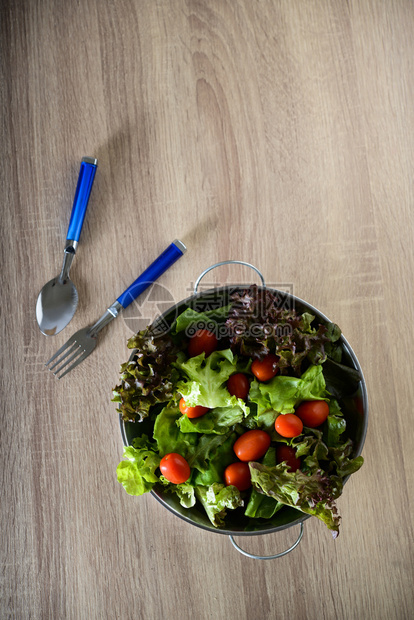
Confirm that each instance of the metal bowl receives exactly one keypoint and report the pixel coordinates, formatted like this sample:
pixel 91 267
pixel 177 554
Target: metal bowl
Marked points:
pixel 354 407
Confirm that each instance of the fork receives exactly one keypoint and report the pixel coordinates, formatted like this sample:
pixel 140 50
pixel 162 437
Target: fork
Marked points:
pixel 83 342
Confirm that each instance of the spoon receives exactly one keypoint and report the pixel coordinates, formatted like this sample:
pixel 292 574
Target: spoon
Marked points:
pixel 58 299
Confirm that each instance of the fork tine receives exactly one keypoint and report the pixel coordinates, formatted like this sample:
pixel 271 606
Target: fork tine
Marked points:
pixel 70 350
pixel 78 351
pixel 75 363
pixel 61 350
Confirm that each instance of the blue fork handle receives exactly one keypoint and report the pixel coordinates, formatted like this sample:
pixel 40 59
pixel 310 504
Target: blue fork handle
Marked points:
pixel 174 251
pixel 83 191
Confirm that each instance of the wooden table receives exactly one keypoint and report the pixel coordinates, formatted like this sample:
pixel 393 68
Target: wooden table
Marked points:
pixel 275 132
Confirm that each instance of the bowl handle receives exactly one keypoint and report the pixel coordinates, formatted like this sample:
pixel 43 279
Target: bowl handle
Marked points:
pixel 268 557
pixel 226 262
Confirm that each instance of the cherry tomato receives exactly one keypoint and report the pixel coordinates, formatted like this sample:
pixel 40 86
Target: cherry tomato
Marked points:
pixel 202 341
pixel 252 445
pixel 192 412
pixel 288 425
pixel 175 468
pixel 288 454
pixel 238 385
pixel 238 475
pixel 313 413
pixel 266 368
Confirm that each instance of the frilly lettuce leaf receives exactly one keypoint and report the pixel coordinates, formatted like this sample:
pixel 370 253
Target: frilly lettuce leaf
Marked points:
pixel 334 460
pixel 312 494
pixel 149 378
pixel 137 474
pixel 217 499
pixel 344 465
pixel 314 487
pixel 260 322
pixel 184 491
pixel 283 393
pixel 205 382
pixel 335 424
pixel 186 494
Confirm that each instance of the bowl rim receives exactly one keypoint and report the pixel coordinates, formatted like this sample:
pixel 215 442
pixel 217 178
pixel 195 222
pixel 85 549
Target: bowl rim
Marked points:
pixel 364 395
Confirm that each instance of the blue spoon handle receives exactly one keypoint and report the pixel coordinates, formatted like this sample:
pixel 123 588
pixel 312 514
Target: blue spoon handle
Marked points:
pixel 80 202
pixel 174 251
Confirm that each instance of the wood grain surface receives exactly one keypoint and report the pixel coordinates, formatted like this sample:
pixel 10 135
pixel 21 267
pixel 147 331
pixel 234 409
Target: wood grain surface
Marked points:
pixel 278 132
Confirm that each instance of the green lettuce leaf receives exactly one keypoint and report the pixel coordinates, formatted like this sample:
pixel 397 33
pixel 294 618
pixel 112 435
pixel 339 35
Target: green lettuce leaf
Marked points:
pixel 262 506
pixel 184 491
pixel 137 474
pixel 168 436
pixel 341 380
pixel 199 320
pixel 335 423
pixel 218 421
pixel 211 457
pixel 186 494
pixel 206 378
pixel 283 393
pixel 217 499
pixel 207 454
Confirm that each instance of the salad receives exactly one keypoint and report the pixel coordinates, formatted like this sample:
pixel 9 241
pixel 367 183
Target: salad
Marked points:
pixel 238 408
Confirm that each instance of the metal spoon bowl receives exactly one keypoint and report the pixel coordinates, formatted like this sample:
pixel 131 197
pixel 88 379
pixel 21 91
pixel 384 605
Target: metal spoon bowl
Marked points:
pixel 58 299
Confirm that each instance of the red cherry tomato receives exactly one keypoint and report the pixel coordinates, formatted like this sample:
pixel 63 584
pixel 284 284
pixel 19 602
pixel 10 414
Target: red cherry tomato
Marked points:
pixel 192 412
pixel 288 454
pixel 238 475
pixel 265 369
pixel 288 425
pixel 175 468
pixel 202 341
pixel 238 385
pixel 252 445
pixel 313 413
